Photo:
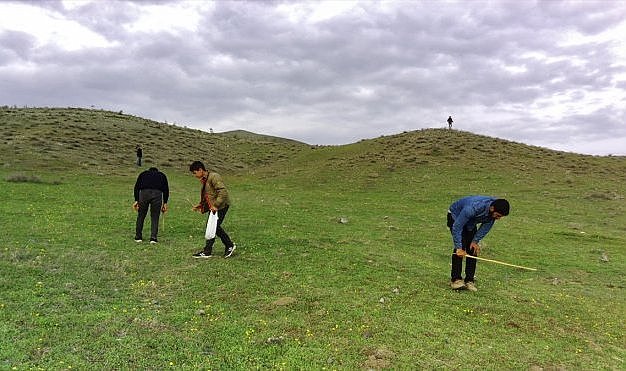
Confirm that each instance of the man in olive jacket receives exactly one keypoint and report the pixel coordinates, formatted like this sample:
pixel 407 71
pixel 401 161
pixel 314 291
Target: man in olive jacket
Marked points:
pixel 214 198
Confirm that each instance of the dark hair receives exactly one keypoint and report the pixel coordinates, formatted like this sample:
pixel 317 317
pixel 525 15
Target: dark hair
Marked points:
pixel 501 206
pixel 196 165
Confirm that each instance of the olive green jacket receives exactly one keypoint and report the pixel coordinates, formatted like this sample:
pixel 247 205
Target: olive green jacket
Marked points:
pixel 213 193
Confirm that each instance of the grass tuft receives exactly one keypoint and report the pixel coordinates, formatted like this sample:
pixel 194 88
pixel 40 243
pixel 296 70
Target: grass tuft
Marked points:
pixel 22 178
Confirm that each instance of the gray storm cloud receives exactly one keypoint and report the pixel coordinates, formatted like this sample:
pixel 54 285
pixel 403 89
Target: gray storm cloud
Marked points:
pixel 544 73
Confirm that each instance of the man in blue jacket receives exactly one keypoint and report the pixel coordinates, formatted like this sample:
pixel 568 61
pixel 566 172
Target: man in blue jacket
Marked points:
pixel 463 217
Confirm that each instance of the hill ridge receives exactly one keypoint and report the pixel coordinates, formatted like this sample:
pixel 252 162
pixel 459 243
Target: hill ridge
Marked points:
pixel 79 138
pixel 82 138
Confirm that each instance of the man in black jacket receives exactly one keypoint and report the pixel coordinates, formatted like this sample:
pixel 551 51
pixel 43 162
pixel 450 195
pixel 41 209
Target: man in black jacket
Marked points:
pixel 139 155
pixel 151 191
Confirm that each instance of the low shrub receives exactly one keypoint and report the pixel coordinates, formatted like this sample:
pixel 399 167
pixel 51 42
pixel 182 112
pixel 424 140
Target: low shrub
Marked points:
pixel 22 178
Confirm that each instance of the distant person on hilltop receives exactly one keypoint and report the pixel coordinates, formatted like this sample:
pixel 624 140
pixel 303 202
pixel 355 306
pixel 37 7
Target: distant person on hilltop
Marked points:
pixel 139 155
pixel 214 198
pixel 450 121
pixel 463 216
pixel 151 191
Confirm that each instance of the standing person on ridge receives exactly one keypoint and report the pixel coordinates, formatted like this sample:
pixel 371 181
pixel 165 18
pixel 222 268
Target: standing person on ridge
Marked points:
pixel 450 121
pixel 139 155
pixel 213 197
pixel 151 191
pixel 463 216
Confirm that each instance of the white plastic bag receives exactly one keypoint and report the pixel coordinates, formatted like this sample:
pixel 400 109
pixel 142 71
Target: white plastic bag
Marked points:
pixel 211 226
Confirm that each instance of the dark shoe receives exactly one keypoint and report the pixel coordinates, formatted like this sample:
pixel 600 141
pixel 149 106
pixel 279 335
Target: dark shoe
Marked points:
pixel 202 255
pixel 138 239
pixel 153 241
pixel 229 251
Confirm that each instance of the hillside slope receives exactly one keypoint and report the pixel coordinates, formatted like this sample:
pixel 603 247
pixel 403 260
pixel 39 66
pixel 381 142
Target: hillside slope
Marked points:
pixel 104 141
pixel 258 137
pixel 463 154
pixel 74 138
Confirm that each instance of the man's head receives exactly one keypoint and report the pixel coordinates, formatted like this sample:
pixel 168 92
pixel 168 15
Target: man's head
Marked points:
pixel 499 208
pixel 197 169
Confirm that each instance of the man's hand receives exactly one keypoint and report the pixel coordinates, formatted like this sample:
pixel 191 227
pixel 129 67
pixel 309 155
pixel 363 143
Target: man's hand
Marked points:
pixel 460 252
pixel 197 208
pixel 164 208
pixel 475 247
pixel 136 206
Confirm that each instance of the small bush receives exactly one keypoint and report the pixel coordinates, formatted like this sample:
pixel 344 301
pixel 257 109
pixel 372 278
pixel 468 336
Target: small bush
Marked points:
pixel 610 196
pixel 21 178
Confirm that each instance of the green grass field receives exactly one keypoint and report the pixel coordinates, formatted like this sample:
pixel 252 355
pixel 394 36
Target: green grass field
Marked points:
pixel 303 290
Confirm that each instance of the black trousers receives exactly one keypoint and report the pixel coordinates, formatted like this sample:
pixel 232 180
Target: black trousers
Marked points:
pixel 467 236
pixel 149 199
pixel 219 232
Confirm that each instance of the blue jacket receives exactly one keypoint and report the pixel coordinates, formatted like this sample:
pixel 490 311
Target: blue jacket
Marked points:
pixel 469 211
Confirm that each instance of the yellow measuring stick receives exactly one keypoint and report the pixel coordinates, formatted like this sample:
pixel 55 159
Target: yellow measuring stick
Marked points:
pixel 499 262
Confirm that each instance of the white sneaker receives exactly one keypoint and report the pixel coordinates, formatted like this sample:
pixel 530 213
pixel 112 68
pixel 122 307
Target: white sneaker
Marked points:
pixel 229 252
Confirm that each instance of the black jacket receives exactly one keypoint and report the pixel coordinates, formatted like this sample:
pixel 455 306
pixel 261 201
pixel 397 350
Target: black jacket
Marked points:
pixel 152 179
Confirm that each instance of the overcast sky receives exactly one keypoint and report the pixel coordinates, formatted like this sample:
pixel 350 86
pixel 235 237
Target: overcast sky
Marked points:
pixel 547 73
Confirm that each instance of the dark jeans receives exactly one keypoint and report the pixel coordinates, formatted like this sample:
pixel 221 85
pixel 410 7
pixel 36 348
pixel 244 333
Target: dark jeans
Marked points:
pixel 219 232
pixel 153 199
pixel 457 261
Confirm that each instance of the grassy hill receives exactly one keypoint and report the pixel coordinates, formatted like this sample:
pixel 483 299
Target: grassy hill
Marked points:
pixel 304 290
pixel 74 138
pixel 258 137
